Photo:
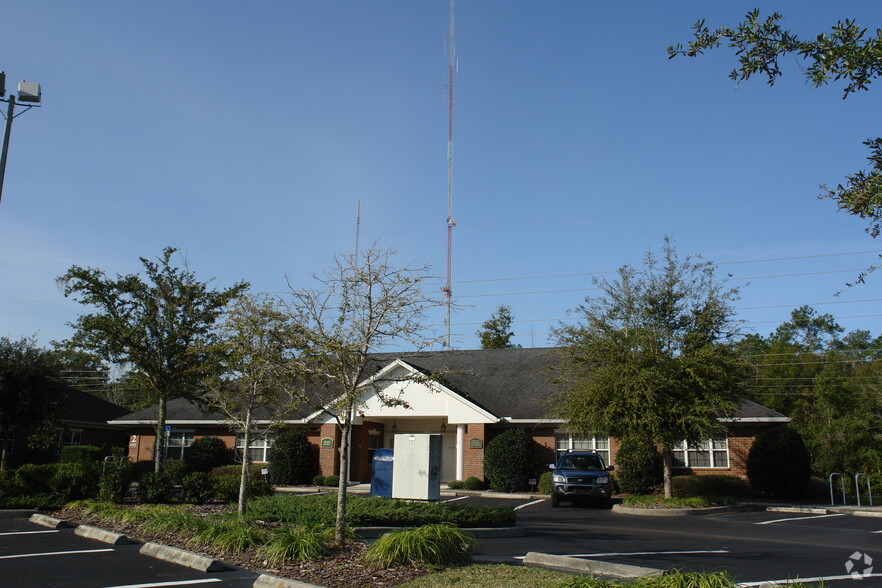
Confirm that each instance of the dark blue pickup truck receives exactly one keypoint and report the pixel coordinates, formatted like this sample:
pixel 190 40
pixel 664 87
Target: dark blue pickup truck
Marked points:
pixel 578 476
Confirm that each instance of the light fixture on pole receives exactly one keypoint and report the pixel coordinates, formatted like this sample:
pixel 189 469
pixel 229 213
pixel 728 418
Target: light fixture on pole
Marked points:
pixel 29 94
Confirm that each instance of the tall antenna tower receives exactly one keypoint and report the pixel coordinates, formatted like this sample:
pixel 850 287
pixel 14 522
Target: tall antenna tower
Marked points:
pixel 448 289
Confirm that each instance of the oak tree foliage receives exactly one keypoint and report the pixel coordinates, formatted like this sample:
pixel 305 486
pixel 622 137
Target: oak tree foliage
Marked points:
pixel 847 53
pixel 156 324
pixel 651 355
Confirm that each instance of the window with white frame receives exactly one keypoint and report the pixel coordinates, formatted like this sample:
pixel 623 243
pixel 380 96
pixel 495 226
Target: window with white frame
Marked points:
pixel 68 437
pixel 596 443
pixel 176 443
pixel 259 446
pixel 711 453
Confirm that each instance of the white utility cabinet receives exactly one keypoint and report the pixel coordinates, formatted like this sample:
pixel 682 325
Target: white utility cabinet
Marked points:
pixel 417 471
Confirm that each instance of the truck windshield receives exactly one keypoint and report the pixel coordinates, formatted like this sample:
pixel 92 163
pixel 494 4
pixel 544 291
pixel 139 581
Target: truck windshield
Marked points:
pixel 580 462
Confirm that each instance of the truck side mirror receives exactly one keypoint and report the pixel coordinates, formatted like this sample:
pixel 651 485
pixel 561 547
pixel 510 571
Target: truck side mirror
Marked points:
pixel 610 468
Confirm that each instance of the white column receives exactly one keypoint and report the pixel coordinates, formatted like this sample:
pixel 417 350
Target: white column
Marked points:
pixel 460 451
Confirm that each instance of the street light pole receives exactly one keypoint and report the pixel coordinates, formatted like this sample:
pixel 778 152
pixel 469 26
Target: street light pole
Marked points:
pixel 28 92
pixel 9 114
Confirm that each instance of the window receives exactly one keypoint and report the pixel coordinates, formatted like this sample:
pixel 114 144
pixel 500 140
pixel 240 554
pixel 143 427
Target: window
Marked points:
pixel 260 444
pixel 595 443
pixel 69 437
pixel 176 443
pixel 713 453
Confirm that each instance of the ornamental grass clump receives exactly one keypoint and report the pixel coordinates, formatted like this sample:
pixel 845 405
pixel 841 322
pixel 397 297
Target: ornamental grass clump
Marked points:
pixel 174 520
pixel 230 536
pixel 433 545
pixel 300 543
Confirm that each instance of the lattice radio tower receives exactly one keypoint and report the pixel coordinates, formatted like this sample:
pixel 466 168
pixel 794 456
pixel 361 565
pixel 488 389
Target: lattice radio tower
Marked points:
pixel 448 289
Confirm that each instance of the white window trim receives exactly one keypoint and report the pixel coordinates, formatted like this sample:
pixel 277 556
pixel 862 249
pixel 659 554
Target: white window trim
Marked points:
pixel 687 451
pixel 258 440
pixel 571 437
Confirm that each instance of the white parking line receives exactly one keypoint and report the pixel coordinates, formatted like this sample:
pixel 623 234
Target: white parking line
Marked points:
pixel 529 504
pixel 623 553
pixel 457 498
pixel 30 532
pixel 804 580
pixel 801 518
pixel 53 553
pixel 178 583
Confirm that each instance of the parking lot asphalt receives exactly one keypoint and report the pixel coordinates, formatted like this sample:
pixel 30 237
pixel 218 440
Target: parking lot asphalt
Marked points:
pixel 32 556
pixel 754 547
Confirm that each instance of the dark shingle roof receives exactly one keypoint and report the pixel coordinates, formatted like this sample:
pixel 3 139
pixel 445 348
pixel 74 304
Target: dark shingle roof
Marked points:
pixel 83 407
pixel 508 383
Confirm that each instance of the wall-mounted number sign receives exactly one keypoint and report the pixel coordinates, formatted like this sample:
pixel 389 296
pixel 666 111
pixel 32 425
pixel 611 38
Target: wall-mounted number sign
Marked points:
pixel 327 442
pixel 476 443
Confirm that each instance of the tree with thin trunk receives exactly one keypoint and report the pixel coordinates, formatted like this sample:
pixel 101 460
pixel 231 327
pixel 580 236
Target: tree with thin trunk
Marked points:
pixel 251 350
pixel 156 324
pixel 31 394
pixel 651 357
pixel 361 306
pixel 496 331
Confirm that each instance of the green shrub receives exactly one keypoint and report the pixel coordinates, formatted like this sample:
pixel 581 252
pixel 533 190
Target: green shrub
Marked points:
pixel 473 483
pixel 300 543
pixel 176 520
pixel 376 511
pixel 174 470
pixel 435 545
pixel 509 460
pixel 638 467
pixel 712 485
pixel 199 487
pixel 139 468
pixel 33 478
pixel 113 485
pixel 779 465
pixel 236 469
pixel 231 536
pixel 292 459
pixel 544 483
pixel 319 480
pixel 73 481
pixel 659 501
pixel 672 579
pixel 332 481
pixel 207 453
pixel 80 454
pixel 227 487
pixel 154 488
pixel 455 484
pixel 9 484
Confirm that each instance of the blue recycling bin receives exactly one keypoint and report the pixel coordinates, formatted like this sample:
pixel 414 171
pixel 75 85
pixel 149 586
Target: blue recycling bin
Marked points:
pixel 381 473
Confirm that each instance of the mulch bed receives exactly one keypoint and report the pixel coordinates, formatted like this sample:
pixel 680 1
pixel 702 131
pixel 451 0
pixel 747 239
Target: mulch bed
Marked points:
pixel 342 568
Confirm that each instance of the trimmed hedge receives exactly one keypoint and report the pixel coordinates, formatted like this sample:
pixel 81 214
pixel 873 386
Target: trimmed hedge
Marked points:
pixel 708 486
pixel 207 453
pixel 376 511
pixel 292 459
pixel 509 460
pixel 80 454
pixel 639 467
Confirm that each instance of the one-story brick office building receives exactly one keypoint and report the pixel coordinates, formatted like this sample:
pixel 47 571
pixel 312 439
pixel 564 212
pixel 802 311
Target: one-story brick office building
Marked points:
pixel 473 396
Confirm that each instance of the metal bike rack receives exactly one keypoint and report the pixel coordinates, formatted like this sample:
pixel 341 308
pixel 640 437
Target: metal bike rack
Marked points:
pixel 842 483
pixel 857 488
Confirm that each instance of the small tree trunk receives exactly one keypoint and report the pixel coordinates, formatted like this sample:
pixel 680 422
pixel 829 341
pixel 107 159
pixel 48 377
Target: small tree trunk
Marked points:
pixel 667 463
pixel 4 449
pixel 340 523
pixel 246 470
pixel 159 443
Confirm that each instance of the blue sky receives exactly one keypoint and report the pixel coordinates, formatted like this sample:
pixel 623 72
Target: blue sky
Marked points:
pixel 245 133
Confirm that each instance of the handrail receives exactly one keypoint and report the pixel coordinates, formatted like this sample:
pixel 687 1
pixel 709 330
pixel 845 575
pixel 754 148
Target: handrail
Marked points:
pixel 842 482
pixel 857 488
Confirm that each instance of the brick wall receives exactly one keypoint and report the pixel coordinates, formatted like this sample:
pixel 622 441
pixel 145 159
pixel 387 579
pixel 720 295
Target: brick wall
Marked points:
pixel 329 457
pixel 473 458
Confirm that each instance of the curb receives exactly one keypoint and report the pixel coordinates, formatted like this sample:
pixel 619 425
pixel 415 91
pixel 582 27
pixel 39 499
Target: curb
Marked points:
pixel 605 568
pixel 101 535
pixel 47 521
pixel 182 557
pixel 867 513
pixel 679 512
pixel 797 509
pixel 478 532
pixel 270 581
pixel 16 513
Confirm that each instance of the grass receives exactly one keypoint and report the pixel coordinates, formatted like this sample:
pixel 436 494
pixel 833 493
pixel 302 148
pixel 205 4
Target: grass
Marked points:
pixel 434 545
pixel 301 543
pixel 172 520
pixel 230 536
